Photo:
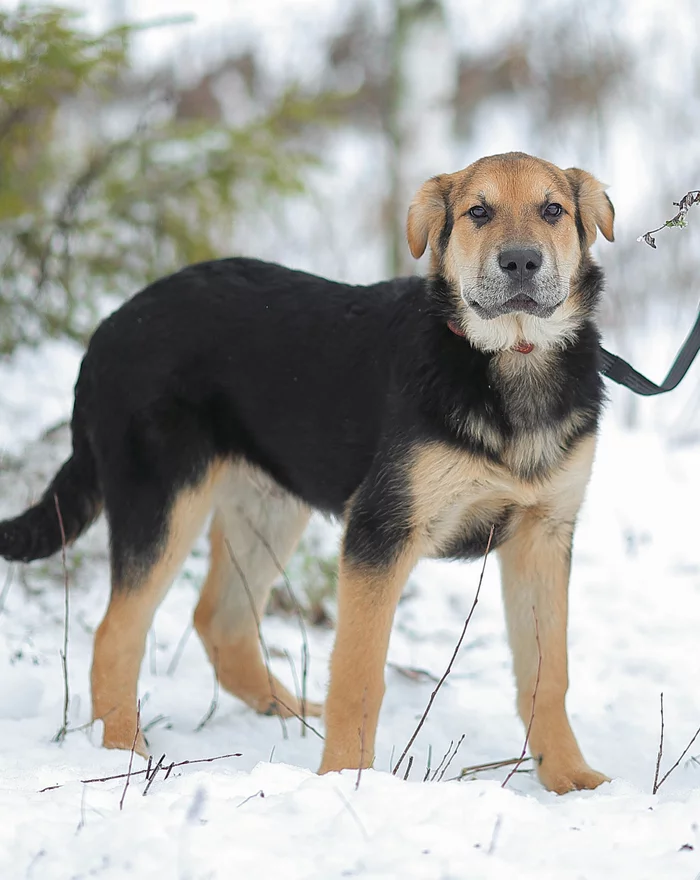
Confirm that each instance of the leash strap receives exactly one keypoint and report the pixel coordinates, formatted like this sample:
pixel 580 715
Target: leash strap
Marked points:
pixel 615 368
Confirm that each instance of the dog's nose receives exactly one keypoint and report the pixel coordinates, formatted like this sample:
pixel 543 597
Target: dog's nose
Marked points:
pixel 520 264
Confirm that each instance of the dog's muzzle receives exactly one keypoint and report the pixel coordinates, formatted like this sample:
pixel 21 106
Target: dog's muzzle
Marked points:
pixel 519 287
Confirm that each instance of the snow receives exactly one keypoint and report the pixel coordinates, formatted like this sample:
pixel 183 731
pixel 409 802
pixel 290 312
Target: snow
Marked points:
pixel 635 606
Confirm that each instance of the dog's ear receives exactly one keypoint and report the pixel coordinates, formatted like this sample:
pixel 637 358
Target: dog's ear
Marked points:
pixel 426 216
pixel 595 208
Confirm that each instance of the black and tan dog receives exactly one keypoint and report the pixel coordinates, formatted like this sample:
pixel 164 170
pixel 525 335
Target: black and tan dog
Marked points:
pixel 421 411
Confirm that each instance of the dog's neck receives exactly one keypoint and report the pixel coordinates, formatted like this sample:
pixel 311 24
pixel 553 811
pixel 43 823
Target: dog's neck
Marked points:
pixel 520 347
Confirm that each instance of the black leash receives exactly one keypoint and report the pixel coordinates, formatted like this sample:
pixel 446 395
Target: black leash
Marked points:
pixel 620 371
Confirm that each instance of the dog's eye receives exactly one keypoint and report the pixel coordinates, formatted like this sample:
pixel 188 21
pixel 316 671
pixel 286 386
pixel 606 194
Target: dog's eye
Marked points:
pixel 478 212
pixel 552 211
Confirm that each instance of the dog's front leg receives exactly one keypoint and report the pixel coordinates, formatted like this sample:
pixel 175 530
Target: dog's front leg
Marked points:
pixel 376 559
pixel 535 565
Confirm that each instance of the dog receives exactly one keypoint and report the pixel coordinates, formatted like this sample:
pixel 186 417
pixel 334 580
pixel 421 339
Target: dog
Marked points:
pixel 431 415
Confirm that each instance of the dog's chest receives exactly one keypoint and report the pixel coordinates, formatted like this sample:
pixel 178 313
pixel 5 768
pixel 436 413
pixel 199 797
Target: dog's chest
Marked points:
pixel 522 422
pixel 459 497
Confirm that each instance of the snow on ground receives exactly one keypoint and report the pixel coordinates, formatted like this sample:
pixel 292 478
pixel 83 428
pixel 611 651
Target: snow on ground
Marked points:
pixel 635 614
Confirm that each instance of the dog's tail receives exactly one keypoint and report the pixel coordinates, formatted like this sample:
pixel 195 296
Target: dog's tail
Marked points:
pixel 73 499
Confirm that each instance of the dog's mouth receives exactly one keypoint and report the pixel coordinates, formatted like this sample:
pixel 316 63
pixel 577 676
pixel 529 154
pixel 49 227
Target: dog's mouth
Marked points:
pixel 519 303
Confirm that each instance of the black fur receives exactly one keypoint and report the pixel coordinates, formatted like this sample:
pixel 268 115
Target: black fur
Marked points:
pixel 325 386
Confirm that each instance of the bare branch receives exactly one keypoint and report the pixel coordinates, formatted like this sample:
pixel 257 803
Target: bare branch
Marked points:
pixel 131 754
pixel 491 765
pixel 451 758
pixel 679 221
pixel 452 660
pixel 263 644
pixel 136 773
pixel 152 776
pixel 63 730
pixel 214 705
pixel 298 611
pixel 657 785
pixel 361 733
pixel 177 654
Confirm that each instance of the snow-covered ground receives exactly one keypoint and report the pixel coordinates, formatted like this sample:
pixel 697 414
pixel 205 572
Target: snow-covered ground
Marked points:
pixel 635 617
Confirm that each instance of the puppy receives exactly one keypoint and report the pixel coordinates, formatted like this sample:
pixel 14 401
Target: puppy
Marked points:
pixel 427 413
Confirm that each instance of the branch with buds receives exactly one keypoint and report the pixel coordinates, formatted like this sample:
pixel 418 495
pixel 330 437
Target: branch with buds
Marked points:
pixel 679 221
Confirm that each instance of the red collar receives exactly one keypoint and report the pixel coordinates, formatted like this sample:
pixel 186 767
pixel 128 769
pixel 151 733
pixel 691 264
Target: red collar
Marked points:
pixel 522 347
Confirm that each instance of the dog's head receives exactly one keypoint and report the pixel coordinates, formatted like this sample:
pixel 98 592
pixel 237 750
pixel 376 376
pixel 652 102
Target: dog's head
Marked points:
pixel 510 235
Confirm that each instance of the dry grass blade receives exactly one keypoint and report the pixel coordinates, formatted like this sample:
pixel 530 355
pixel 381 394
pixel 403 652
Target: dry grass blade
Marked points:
pixel 427 764
pixel 451 758
pixel 63 730
pixel 172 666
pixel 258 623
pixel 297 609
pixel 655 786
pixel 452 660
pixel 299 718
pixel 6 588
pixel 534 698
pixel 444 758
pixel 491 765
pixel 214 705
pixel 131 754
pixel 152 775
pixel 361 733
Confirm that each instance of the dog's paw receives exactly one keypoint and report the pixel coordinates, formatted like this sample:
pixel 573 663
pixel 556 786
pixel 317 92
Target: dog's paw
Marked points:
pixel 560 779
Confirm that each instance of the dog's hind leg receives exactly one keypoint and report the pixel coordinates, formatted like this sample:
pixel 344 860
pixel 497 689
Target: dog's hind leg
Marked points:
pixel 139 583
pixel 255 529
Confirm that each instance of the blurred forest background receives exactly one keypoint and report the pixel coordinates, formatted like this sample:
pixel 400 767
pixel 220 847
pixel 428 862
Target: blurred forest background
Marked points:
pixel 136 137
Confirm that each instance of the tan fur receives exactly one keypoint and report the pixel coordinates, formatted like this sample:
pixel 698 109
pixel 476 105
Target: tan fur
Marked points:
pixel 596 208
pixel 230 633
pixel 366 604
pixel 452 494
pixel 121 637
pixel 535 573
pixel 251 511
pixel 516 199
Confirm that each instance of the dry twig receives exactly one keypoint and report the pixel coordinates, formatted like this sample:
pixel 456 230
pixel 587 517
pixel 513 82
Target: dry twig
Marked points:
pixel 659 782
pixel 6 588
pixel 655 786
pixel 534 698
pixel 63 730
pixel 679 221
pixel 177 654
pixel 131 755
pixel 491 765
pixel 444 758
pixel 143 772
pixel 297 609
pixel 263 643
pixel 153 774
pixel 451 758
pixel 450 664
pixel 214 705
pixel 361 733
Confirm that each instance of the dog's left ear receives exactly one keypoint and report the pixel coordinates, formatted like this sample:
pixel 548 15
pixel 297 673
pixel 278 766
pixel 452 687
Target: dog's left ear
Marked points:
pixel 426 215
pixel 595 207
